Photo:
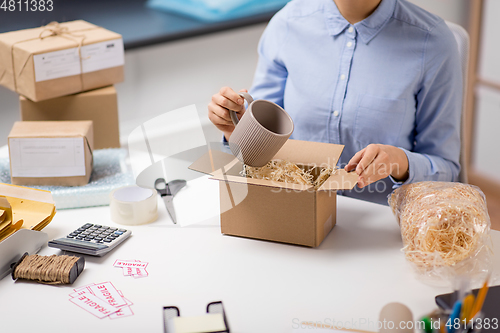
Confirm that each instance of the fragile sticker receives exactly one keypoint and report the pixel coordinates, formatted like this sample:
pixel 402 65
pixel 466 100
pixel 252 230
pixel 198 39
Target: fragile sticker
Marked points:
pixel 102 300
pixel 135 268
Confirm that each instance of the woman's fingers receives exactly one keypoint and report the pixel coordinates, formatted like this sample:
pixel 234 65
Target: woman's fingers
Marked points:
pixel 226 103
pixel 353 162
pixel 219 115
pixel 367 158
pixel 233 97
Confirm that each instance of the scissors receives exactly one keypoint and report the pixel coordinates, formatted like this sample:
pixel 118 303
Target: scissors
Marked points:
pixel 167 192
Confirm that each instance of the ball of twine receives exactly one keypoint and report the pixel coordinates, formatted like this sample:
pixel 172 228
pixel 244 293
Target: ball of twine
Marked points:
pixel 441 223
pixel 45 269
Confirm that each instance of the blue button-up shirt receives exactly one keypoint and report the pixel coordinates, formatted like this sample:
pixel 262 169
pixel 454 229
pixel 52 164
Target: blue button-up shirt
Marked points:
pixel 393 78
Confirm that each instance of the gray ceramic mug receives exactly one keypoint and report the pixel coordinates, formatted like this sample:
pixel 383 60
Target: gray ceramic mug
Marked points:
pixel 260 133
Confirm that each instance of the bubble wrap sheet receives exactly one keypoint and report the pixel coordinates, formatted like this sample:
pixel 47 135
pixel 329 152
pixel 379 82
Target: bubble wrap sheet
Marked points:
pixel 109 172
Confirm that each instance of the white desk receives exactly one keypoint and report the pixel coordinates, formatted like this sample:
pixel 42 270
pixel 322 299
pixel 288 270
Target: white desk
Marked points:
pixel 265 286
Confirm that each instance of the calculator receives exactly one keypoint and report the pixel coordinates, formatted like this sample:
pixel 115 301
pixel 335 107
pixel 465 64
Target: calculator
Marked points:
pixel 92 239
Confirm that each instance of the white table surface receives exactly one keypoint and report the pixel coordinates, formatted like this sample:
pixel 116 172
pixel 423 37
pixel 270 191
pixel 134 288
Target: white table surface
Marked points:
pixel 265 286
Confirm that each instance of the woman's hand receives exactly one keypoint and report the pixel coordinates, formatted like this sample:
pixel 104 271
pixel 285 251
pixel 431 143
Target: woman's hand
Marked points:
pixel 218 109
pixel 377 161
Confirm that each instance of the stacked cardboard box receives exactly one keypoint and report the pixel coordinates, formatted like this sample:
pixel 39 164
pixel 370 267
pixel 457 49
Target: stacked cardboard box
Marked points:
pixel 51 153
pixel 99 105
pixel 64 72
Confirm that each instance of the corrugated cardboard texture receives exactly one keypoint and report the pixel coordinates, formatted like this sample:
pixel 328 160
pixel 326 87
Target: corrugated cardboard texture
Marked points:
pixel 223 166
pixel 268 213
pixel 326 214
pixel 307 152
pixel 98 105
pixel 277 211
pixel 16 56
pixel 341 180
pixel 54 129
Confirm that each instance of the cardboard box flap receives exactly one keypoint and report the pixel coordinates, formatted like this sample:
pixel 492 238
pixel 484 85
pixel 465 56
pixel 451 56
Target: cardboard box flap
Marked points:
pixel 308 153
pixel 214 161
pixel 217 164
pixel 340 180
pixel 260 182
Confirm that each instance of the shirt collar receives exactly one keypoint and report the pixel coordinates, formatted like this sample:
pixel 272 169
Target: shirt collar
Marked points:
pixel 368 28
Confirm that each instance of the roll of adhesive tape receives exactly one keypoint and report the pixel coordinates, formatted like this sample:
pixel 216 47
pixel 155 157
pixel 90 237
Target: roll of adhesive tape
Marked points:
pixel 133 205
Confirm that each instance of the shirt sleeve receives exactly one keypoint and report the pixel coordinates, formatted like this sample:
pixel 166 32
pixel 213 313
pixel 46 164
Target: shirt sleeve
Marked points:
pixel 436 151
pixel 271 74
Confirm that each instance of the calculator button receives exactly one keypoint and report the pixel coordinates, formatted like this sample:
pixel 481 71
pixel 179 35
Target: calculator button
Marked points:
pixel 80 238
pixel 108 240
pixel 98 238
pixel 118 233
pixel 113 229
pixel 94 234
pixel 74 233
pixel 122 230
pixel 104 227
pixel 87 225
pixel 98 226
pixel 71 236
pixel 81 229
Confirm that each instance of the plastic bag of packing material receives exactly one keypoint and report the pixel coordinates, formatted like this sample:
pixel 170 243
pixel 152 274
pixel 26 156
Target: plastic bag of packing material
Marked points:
pixel 445 230
pixel 217 10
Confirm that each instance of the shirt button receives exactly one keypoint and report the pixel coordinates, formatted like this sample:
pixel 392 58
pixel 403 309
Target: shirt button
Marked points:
pixel 342 77
pixel 351 29
pixel 336 113
pixel 349 44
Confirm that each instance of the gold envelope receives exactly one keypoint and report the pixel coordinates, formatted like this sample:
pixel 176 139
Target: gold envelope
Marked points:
pixel 7 227
pixel 31 208
pixel 5 216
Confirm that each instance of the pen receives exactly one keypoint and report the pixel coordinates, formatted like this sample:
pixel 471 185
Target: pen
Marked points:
pixel 455 313
pixel 481 296
pixel 427 324
pixel 467 305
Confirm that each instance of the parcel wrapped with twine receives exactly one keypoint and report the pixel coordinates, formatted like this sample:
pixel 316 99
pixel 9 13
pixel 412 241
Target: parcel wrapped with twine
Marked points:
pixel 60 59
pixel 445 227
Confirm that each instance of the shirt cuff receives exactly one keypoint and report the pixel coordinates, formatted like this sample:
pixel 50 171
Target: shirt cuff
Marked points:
pixel 412 169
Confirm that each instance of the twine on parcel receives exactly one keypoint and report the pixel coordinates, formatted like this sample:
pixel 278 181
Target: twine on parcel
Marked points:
pixel 54 29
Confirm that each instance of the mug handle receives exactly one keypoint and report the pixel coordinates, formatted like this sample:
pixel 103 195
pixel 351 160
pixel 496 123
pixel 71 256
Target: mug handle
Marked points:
pixel 233 115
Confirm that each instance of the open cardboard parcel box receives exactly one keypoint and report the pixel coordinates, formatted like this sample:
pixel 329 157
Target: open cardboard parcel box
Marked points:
pixel 278 211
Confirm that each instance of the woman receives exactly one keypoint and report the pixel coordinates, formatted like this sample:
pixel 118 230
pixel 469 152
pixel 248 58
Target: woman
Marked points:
pixel 381 77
